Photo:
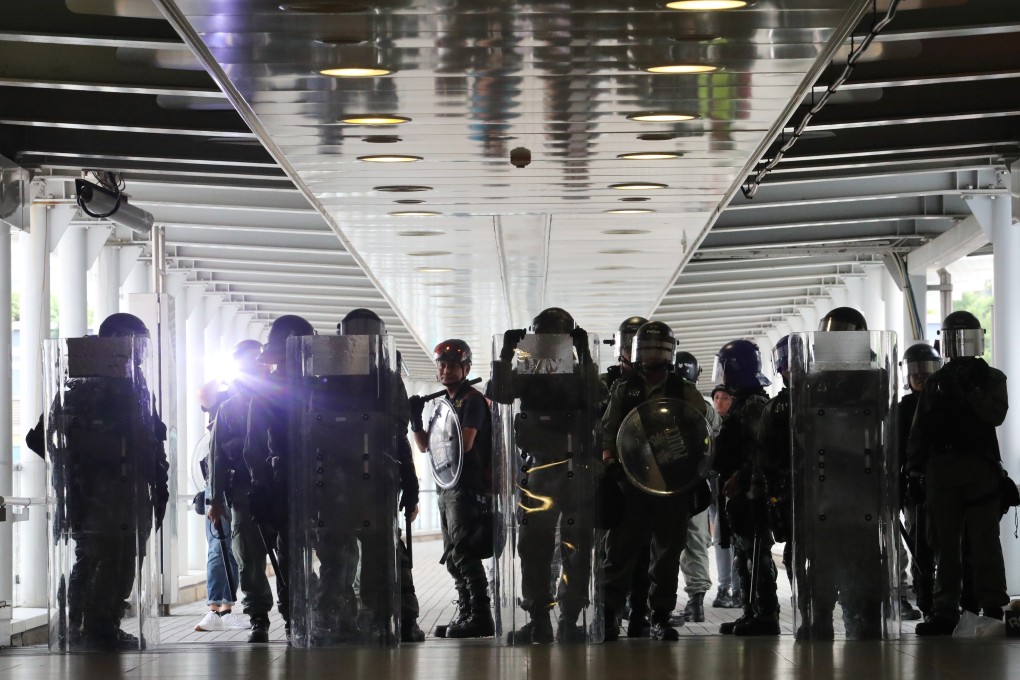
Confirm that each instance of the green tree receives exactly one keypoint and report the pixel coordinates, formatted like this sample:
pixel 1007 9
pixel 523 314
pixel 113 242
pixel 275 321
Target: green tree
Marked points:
pixel 979 303
pixel 15 306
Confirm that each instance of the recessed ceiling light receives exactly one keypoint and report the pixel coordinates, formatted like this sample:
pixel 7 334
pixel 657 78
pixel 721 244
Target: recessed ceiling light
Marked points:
pixel 434 270
pixel 375 119
pixel 626 232
pixel 706 5
pixel 381 139
pixel 331 7
pixel 356 71
pixel 614 267
pixel 414 213
pixel 657 136
pixel 420 232
pixel 649 155
pixel 619 251
pixel 661 116
pixel 637 186
pixel 429 253
pixel 634 199
pixel 409 201
pixel 629 211
pixel 390 158
pixel 682 68
pixel 398 188
pixel 438 283
pixel 341 41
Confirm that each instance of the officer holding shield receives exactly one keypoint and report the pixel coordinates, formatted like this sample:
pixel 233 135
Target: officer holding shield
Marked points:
pixel 553 392
pixel 663 515
pixel 462 506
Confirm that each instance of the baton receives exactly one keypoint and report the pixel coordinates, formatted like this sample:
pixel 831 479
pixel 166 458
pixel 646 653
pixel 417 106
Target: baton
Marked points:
pixel 271 551
pixel 218 526
pixel 441 393
pixel 407 541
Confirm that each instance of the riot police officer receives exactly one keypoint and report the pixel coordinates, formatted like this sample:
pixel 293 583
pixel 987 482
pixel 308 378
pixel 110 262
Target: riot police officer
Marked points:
pixel 919 361
pixel 555 451
pixel 230 483
pixel 738 365
pixel 265 452
pixel 662 518
pixel 110 475
pixel 622 341
pixel 953 454
pixel 463 507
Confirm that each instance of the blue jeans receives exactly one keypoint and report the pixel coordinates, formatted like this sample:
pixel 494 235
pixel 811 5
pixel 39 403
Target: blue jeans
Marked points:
pixel 217 588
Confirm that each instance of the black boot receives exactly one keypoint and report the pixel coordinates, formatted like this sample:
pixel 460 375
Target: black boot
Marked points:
pixel 661 628
pixel 411 632
pixel 479 624
pixel 638 625
pixel 611 626
pixel 259 629
pixel 462 614
pixel 695 608
pixel 937 624
pixel 538 630
pixel 727 628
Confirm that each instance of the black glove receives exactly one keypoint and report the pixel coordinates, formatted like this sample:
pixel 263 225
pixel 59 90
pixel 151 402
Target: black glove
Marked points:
pixel 408 501
pixel 416 408
pixel 511 339
pixel 580 338
pixel 613 470
pixel 915 489
pixel 160 510
pixel 611 501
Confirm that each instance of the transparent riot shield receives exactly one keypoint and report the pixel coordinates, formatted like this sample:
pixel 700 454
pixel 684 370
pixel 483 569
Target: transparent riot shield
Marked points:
pixel 546 490
pixel 107 476
pixel 665 446
pixel 845 484
pixel 342 476
pixel 446 444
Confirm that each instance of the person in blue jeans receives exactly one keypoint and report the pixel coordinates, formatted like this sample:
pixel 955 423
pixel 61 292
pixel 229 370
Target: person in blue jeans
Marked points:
pixel 220 596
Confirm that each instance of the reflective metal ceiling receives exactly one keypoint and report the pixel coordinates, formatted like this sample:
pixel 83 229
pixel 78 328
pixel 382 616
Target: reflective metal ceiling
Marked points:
pixel 109 84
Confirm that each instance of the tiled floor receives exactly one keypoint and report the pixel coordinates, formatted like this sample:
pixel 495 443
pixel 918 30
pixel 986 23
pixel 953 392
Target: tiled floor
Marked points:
pixel 701 653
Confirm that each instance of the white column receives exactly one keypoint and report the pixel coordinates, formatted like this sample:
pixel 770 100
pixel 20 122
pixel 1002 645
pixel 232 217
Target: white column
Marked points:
pixel 137 280
pixel 35 326
pixel 874 303
pixel 6 418
pixel 1005 234
pixel 108 283
pixel 227 337
pixel 72 283
pixel 211 358
pixel 195 377
pixel 893 298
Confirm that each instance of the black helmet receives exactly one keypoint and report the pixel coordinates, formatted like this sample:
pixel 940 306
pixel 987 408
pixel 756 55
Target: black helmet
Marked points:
pixel 553 320
pixel 247 349
pixel 843 319
pixel 962 336
pixel 781 355
pixel 653 345
pixel 122 325
pixel 361 322
pixel 286 326
pixel 687 367
pixel 738 364
pixel 625 334
pixel 921 359
pixel 453 350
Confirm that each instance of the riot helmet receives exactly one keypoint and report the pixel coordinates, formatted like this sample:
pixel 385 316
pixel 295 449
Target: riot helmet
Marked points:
pixel 843 319
pixel 781 355
pixel 962 336
pixel 247 349
pixel 653 345
pixel 361 321
pixel 286 326
pixel 122 325
pixel 919 361
pixel 738 365
pixel 687 367
pixel 452 351
pixel 553 320
pixel 625 336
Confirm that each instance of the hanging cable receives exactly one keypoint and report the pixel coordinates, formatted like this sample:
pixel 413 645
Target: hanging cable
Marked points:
pixel 750 188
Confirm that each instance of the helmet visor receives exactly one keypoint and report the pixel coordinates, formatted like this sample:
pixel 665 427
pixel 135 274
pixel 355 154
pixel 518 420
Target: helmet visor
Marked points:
pixel 717 371
pixel 924 367
pixel 781 358
pixel 963 342
pixel 622 341
pixel 650 352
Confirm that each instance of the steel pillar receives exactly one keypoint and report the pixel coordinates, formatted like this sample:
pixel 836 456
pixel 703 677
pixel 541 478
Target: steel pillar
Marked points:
pixel 6 419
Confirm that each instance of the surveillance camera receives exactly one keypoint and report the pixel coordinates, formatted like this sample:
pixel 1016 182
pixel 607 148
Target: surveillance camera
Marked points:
pixel 520 157
pixel 101 203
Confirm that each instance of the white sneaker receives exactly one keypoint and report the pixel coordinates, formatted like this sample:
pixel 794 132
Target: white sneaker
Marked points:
pixel 210 622
pixel 232 621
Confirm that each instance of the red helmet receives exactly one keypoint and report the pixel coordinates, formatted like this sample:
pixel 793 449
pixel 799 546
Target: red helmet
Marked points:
pixel 452 350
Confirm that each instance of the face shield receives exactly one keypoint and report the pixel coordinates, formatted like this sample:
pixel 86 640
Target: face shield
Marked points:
pixel 962 342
